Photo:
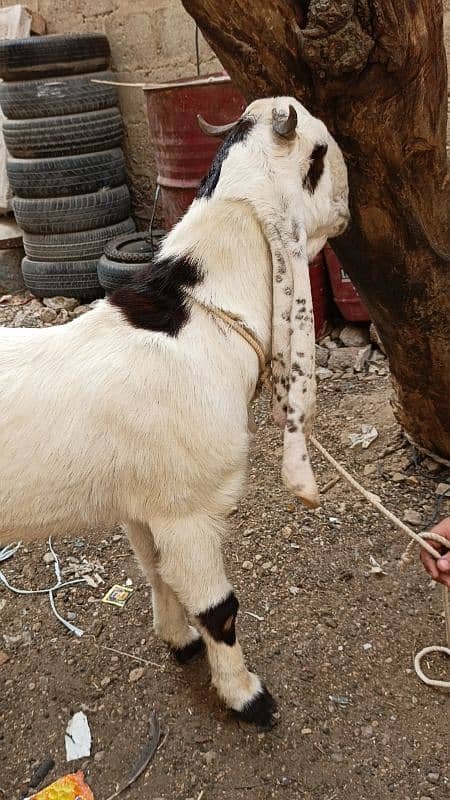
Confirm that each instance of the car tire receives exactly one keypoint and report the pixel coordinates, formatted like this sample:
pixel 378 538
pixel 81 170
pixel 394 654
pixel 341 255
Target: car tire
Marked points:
pixel 37 56
pixel 51 97
pixel 77 213
pixel 73 246
pixel 114 274
pixel 68 135
pixel 67 278
pixel 130 248
pixel 56 177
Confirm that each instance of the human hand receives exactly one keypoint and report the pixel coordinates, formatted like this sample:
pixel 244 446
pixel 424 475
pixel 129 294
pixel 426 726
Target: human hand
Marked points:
pixel 439 569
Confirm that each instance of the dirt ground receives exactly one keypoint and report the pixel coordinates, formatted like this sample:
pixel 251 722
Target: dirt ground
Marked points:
pixel 333 639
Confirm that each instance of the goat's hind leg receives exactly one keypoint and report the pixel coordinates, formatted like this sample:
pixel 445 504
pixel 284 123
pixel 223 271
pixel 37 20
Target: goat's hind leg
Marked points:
pixel 169 617
pixel 191 563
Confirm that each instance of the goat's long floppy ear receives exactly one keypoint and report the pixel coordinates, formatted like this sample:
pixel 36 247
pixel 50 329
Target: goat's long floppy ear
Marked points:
pixel 293 345
pixel 284 124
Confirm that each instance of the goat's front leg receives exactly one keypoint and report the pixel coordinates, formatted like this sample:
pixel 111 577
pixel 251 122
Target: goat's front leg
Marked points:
pixel 169 617
pixel 191 563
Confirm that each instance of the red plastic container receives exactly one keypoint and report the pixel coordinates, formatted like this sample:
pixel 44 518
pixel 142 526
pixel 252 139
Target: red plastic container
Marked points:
pixel 320 292
pixel 183 153
pixel 345 295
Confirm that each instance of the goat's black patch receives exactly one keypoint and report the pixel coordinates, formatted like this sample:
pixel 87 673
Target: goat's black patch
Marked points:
pixel 316 168
pixel 155 299
pixel 220 620
pixel 238 134
pixel 259 710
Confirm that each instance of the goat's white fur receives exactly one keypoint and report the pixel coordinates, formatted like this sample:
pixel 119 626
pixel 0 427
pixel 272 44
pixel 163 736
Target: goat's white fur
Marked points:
pixel 103 423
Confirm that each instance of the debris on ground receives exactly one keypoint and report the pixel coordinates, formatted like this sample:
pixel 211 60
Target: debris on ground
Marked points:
pixel 368 435
pixel 118 595
pixel 70 787
pixel 78 737
pixel 144 758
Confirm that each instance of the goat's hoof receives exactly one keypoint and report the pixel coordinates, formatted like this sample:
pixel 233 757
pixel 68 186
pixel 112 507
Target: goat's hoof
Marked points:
pixel 189 652
pixel 260 710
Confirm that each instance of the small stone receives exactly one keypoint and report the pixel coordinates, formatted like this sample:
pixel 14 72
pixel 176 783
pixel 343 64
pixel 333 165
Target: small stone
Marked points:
pixel 79 310
pixel 398 477
pixel 367 646
pixel 375 337
pixel 367 731
pixel 49 558
pixel 209 757
pixel 247 565
pixel 322 373
pixel 71 615
pixel 354 336
pixel 266 565
pixel 431 466
pixel 441 488
pixel 322 355
pixel 4 657
pixel 362 358
pixel 286 532
pixel 105 681
pixel 412 517
pixel 136 674
pixel 343 358
pixel 433 777
pixel 337 757
pixel 294 590
pixel 58 303
pixel 99 756
pixel 62 317
pixel 306 731
pixel 369 469
pixel 48 315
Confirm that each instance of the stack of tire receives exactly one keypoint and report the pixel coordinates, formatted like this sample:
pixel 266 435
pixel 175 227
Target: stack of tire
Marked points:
pixel 65 167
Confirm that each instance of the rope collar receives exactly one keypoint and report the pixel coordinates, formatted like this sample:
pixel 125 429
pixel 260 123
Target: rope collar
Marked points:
pixel 237 325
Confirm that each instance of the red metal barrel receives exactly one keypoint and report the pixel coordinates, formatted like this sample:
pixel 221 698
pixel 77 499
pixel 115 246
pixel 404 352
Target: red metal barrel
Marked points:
pixel 320 292
pixel 345 295
pixel 183 153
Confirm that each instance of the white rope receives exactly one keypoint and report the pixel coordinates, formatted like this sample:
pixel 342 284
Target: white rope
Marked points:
pixel 419 538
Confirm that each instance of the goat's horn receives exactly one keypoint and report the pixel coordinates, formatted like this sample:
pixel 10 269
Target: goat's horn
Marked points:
pixel 214 130
pixel 285 125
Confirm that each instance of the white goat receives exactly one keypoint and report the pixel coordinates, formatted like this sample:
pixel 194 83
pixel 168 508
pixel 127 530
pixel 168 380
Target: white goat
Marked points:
pixel 137 412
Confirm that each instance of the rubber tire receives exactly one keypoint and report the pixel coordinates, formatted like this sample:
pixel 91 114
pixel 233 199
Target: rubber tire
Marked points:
pixel 66 278
pixel 79 213
pixel 130 248
pixel 73 246
pixel 39 56
pixel 113 274
pixel 56 177
pixel 51 97
pixel 72 134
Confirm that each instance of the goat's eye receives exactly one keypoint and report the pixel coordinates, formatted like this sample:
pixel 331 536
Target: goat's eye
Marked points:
pixel 316 167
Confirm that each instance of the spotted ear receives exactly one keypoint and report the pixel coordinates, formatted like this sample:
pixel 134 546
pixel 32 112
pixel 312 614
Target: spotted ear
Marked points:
pixel 316 168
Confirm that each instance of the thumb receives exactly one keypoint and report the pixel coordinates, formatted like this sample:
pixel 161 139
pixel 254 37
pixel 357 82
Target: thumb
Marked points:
pixel 443 564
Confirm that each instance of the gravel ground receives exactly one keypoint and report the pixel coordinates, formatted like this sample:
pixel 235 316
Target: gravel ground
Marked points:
pixel 331 635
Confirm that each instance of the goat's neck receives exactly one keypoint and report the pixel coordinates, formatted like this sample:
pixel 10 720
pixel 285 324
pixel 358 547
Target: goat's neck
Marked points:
pixel 226 240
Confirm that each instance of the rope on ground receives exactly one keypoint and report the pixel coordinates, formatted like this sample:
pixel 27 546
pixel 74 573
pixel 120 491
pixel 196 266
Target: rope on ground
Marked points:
pixel 420 539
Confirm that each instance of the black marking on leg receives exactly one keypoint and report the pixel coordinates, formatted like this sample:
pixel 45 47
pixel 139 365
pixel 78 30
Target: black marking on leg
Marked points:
pixel 219 620
pixel 190 651
pixel 259 711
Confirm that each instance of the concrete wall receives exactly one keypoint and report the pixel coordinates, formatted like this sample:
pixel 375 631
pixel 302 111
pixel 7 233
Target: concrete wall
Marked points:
pixel 151 40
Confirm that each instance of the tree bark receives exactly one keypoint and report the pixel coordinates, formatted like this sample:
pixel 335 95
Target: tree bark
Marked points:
pixel 375 72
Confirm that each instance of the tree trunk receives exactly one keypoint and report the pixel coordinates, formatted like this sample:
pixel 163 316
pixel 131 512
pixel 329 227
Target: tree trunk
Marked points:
pixel 375 72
